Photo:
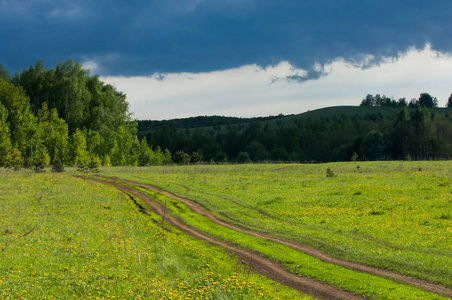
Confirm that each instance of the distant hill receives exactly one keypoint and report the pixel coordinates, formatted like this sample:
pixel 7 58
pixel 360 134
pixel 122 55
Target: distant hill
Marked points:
pixel 327 113
pixel 328 134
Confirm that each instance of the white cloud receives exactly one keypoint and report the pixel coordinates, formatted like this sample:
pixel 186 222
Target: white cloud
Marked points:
pixel 92 66
pixel 247 91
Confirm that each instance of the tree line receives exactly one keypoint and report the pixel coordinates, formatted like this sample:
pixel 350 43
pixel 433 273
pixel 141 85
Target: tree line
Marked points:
pixel 425 99
pixel 409 133
pixel 66 115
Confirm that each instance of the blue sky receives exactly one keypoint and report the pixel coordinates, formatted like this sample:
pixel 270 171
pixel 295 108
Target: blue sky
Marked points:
pixel 179 58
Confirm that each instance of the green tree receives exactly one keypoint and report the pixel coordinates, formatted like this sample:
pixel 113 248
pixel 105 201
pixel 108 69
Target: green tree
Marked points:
pixel 243 157
pixel 195 158
pixel 422 131
pixel 441 133
pixel 368 101
pixel 41 156
pixel 221 157
pixel 402 135
pixel 57 165
pixel 257 151
pixel 5 144
pixel 181 158
pixel 83 101
pixel 3 73
pixel 120 154
pixel 144 154
pixel 15 158
pixel 403 115
pixel 32 81
pixel 374 146
pixel 279 154
pixel 288 138
pixel 449 101
pixel 53 133
pixel 94 142
pixel 19 117
pixel 78 149
pixel 94 163
pixel 72 95
pixel 167 157
pixel 428 101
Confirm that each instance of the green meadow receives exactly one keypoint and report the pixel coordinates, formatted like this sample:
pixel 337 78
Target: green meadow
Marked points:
pixel 393 215
pixel 64 237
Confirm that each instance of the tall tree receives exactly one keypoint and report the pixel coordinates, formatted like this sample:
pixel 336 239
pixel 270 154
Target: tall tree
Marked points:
pixel 3 73
pixel 54 133
pixel 19 117
pixel 422 126
pixel 374 146
pixel 5 144
pixel 83 101
pixel 449 101
pixel 78 149
pixel 427 100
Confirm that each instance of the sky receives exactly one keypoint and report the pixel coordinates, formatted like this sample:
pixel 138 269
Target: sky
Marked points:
pixel 245 58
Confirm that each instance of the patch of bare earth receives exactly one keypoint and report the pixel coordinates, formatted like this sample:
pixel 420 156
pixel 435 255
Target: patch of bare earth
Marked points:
pixel 270 268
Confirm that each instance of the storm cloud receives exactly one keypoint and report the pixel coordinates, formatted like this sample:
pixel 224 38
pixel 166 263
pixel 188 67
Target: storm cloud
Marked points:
pixel 134 38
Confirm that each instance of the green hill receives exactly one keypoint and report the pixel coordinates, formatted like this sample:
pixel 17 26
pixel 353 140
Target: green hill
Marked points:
pixel 327 113
pixel 327 134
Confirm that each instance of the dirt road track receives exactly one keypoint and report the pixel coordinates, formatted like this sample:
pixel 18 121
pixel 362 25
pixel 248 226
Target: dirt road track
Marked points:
pixel 270 268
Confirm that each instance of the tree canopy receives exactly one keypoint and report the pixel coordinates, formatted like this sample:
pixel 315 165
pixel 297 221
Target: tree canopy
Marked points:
pixel 66 114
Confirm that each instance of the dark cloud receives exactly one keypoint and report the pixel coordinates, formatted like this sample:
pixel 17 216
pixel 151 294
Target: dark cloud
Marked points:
pixel 141 37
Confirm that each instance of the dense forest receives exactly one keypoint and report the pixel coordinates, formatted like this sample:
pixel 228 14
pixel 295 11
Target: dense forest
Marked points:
pixel 380 129
pixel 66 115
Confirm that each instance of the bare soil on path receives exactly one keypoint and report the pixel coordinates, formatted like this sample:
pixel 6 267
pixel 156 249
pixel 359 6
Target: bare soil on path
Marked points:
pixel 268 267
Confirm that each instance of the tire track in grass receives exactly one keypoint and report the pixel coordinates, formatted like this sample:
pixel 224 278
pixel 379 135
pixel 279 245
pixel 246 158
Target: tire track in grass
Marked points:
pixel 255 261
pixel 412 281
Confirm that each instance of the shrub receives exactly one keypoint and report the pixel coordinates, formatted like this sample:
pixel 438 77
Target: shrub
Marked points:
pixel 181 158
pixel 83 168
pixel 195 157
pixel 93 165
pixel 243 157
pixel 57 165
pixel 107 161
pixel 15 158
pixel 330 173
pixel 38 165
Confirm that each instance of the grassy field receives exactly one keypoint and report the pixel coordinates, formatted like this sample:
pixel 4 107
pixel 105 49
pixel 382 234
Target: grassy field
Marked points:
pixel 394 215
pixel 63 237
pixel 67 238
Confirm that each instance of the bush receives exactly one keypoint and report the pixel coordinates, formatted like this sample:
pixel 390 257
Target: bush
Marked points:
pixel 93 165
pixel 57 165
pixel 15 158
pixel 82 168
pixel 330 173
pixel 181 158
pixel 107 161
pixel 195 157
pixel 221 157
pixel 243 158
pixel 144 159
pixel 38 165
